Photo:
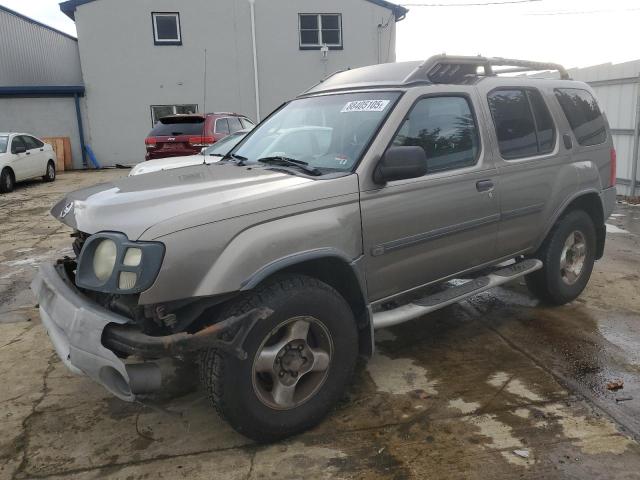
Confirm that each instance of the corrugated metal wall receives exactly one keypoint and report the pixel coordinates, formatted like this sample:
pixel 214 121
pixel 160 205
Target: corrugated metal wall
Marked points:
pixel 31 54
pixel 617 88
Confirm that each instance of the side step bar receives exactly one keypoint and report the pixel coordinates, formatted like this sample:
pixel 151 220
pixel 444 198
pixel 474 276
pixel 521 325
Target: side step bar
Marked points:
pixel 430 303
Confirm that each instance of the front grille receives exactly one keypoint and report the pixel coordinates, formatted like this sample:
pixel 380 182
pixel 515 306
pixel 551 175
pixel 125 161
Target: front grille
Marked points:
pixel 78 243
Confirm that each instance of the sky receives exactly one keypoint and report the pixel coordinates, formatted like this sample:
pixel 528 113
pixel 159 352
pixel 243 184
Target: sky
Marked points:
pixel 575 33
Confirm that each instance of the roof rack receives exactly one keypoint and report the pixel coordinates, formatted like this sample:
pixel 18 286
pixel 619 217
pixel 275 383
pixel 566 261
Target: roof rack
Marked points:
pixel 458 69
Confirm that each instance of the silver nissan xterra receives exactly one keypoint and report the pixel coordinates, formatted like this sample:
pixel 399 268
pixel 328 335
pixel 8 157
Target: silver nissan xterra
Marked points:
pixel 350 208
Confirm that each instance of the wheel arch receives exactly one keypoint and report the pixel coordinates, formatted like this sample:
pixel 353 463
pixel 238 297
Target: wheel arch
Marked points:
pixel 590 202
pixel 335 269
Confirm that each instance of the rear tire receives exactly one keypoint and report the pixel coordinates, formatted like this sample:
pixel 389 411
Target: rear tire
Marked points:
pixel 568 255
pixel 244 391
pixel 50 176
pixel 7 181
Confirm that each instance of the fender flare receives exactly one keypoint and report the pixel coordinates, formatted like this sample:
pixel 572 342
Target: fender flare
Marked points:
pixel 364 323
pixel 563 208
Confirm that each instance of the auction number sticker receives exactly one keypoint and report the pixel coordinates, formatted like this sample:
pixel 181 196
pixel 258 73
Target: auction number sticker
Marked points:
pixel 365 106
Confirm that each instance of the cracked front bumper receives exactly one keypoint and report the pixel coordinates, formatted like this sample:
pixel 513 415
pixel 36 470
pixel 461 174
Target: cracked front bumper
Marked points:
pixel 85 336
pixel 75 326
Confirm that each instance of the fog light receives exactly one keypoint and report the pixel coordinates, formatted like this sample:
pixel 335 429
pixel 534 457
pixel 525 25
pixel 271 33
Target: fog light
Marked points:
pixel 127 280
pixel 133 257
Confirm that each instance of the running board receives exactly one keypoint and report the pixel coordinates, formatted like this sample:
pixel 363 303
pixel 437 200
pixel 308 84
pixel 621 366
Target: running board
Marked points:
pixel 430 303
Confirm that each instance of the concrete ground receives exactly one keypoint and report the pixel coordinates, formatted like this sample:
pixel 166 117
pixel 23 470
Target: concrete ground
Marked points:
pixel 496 387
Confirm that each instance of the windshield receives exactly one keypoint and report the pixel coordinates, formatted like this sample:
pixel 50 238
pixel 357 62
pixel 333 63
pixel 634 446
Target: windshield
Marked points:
pixel 329 133
pixel 3 144
pixel 224 146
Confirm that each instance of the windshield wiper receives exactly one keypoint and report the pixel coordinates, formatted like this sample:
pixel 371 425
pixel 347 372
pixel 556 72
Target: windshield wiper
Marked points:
pixel 239 158
pixel 290 162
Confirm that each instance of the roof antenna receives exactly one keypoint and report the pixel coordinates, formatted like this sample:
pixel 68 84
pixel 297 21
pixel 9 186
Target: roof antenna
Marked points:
pixel 204 106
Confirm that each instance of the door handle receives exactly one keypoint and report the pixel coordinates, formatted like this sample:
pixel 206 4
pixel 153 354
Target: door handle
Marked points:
pixel 28 153
pixel 484 185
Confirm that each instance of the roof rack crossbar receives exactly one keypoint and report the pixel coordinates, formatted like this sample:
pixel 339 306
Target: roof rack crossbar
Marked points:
pixel 455 69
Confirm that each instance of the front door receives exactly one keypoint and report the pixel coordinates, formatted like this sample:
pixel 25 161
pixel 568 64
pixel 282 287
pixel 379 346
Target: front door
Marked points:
pixel 20 162
pixel 424 229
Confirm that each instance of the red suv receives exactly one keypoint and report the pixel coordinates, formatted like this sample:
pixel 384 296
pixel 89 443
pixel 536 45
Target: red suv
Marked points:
pixel 180 135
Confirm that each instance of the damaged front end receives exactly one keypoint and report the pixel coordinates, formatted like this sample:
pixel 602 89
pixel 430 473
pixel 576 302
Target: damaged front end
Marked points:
pixel 115 341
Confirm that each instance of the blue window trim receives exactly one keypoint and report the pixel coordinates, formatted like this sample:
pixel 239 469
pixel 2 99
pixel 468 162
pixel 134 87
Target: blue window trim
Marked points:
pixel 153 30
pixel 319 47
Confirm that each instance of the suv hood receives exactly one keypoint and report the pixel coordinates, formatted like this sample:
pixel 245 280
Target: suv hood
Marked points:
pixel 176 199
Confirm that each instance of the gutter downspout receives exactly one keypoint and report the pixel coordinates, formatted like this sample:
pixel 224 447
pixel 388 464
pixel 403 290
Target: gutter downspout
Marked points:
pixel 76 99
pixel 636 143
pixel 255 57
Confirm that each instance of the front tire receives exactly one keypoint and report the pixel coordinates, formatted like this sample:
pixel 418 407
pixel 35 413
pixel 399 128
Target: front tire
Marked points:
pixel 7 181
pixel 299 362
pixel 568 255
pixel 50 176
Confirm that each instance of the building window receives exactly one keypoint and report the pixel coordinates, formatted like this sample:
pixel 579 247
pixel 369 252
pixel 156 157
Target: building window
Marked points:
pixel 317 30
pixel 166 28
pixel 159 111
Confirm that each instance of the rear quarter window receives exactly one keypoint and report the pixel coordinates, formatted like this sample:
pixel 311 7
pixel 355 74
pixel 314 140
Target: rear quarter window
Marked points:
pixel 584 116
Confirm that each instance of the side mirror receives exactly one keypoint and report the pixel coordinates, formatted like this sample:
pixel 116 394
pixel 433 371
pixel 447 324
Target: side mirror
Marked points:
pixel 19 149
pixel 399 163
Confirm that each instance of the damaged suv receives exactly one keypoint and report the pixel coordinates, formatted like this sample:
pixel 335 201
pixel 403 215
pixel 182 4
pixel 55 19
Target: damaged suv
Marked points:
pixel 377 196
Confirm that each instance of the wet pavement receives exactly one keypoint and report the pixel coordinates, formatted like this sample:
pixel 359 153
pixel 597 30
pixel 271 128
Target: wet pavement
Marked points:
pixel 496 387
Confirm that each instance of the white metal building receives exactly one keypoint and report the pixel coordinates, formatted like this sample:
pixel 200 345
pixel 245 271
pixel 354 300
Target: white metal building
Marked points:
pixel 41 86
pixel 618 90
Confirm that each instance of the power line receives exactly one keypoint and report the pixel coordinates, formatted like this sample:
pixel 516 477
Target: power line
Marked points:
pixel 582 12
pixel 483 4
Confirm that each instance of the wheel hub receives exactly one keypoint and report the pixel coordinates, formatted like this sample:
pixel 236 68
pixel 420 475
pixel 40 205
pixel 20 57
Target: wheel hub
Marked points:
pixel 572 258
pixel 292 363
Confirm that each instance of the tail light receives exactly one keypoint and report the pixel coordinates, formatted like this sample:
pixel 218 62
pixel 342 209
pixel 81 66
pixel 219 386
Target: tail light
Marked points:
pixel 150 142
pixel 613 167
pixel 201 141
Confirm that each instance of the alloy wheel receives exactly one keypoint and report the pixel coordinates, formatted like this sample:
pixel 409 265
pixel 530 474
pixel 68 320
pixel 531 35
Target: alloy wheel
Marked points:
pixel 292 363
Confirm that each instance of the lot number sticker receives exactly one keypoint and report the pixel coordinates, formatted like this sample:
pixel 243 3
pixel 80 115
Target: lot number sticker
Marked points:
pixel 365 106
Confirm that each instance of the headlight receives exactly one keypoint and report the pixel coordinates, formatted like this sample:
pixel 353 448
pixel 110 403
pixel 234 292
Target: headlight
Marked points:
pixel 109 262
pixel 104 259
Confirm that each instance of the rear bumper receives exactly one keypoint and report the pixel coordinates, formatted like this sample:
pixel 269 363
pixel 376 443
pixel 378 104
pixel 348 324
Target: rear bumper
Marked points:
pixel 608 197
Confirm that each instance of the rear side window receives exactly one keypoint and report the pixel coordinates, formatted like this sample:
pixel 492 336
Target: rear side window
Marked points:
pixel 222 126
pixel 522 121
pixel 583 114
pixel 174 127
pixel 3 144
pixel 446 129
pixel 234 124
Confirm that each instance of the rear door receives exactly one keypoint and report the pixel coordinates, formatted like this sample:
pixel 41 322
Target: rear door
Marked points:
pixel 234 124
pixel 221 129
pixel 534 168
pixel 420 230
pixel 36 156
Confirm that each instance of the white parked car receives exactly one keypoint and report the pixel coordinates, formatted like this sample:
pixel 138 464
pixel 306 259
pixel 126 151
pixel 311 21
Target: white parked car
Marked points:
pixel 23 156
pixel 211 154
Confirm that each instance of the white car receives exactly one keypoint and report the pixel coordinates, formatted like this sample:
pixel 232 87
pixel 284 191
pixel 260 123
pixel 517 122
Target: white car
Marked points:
pixel 23 156
pixel 211 154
